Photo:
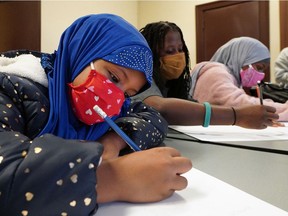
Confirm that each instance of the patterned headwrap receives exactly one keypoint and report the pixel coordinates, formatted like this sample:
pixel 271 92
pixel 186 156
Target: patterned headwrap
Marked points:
pixel 102 36
pixel 239 52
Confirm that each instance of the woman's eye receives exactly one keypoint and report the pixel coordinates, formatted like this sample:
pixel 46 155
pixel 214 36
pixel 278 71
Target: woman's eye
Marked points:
pixel 260 69
pixel 170 51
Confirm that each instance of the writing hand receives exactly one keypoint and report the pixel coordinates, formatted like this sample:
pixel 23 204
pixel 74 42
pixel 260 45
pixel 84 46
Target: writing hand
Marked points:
pixel 144 176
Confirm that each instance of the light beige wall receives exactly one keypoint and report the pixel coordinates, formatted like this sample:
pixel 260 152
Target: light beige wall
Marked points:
pixel 274 34
pixel 180 12
pixel 58 15
pixel 183 14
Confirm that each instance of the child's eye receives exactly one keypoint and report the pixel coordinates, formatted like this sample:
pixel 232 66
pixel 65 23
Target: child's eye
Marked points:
pixel 113 78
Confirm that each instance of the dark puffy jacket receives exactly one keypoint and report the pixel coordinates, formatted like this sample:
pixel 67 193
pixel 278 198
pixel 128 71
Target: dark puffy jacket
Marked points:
pixel 49 175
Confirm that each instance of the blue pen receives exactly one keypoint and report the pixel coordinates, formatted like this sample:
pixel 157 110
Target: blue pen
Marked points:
pixel 115 127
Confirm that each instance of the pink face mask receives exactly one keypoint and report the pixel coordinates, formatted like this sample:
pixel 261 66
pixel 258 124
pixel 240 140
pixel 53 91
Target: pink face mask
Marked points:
pixel 96 90
pixel 250 76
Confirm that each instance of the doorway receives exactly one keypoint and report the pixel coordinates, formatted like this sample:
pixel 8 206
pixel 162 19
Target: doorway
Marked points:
pixel 20 23
pixel 218 22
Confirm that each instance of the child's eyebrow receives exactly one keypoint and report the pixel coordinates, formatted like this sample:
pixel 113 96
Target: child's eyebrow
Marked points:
pixel 124 72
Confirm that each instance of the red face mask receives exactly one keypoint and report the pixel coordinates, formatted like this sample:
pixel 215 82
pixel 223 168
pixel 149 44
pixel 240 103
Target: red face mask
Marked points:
pixel 96 90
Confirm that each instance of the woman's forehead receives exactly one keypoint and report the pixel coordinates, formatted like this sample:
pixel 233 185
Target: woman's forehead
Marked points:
pixel 172 37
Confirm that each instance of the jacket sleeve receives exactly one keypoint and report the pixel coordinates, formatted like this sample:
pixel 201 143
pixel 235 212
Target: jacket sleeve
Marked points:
pixel 47 175
pixel 144 125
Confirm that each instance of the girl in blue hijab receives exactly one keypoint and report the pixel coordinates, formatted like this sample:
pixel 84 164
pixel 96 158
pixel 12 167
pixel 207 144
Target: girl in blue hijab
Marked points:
pixel 104 36
pixel 52 158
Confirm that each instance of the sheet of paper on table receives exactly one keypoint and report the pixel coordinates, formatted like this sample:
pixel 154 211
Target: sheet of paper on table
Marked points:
pixel 233 133
pixel 271 139
pixel 204 196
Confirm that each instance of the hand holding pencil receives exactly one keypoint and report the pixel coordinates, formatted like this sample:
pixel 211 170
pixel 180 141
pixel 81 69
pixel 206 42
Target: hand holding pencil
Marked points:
pixel 259 89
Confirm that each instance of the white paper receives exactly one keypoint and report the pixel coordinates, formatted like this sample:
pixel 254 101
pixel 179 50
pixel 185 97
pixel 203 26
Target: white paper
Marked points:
pixel 233 133
pixel 204 196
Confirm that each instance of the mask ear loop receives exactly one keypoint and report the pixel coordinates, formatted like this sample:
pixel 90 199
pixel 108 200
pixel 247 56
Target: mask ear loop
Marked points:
pixel 92 66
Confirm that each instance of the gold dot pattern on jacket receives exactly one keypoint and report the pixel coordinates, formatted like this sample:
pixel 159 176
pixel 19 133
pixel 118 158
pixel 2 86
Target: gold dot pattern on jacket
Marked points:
pixel 59 174
pixel 64 178
pixel 24 105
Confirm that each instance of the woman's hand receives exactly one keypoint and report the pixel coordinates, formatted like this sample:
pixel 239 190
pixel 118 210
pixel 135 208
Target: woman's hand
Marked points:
pixel 144 176
pixel 257 117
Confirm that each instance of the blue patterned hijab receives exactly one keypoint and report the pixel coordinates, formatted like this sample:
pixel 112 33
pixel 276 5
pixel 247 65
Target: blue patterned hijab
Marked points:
pixel 102 36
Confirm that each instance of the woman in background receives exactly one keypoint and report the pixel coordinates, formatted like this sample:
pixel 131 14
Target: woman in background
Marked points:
pixel 169 92
pixel 281 68
pixel 244 60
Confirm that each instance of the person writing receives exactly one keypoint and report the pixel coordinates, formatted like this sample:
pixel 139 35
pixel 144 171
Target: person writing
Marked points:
pixel 56 154
pixel 245 60
pixel 169 92
pixel 281 68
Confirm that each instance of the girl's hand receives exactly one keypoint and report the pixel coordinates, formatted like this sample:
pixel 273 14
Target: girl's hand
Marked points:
pixel 144 176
